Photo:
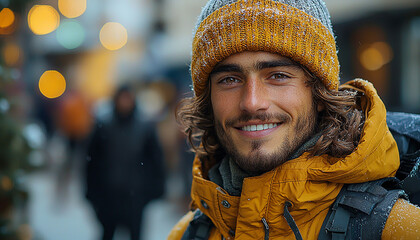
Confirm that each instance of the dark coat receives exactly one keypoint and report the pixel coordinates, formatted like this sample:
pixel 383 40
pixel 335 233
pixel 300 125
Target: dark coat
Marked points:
pixel 124 163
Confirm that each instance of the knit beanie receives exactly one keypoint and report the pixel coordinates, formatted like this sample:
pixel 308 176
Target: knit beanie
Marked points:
pixel 298 29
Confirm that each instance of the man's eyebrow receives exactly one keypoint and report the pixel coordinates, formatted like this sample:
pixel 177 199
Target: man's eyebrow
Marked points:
pixel 276 63
pixel 258 66
pixel 226 68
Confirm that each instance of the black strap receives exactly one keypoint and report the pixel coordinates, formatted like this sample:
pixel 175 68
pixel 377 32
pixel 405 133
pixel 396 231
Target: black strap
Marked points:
pixel 199 228
pixel 411 184
pixel 338 223
pixel 405 130
pixel 361 210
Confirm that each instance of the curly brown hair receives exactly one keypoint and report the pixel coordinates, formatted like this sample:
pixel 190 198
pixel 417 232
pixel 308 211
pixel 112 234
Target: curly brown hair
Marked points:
pixel 340 121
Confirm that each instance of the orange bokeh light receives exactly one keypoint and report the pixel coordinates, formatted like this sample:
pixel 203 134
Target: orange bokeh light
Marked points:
pixel 376 55
pixel 43 19
pixel 52 84
pixel 7 17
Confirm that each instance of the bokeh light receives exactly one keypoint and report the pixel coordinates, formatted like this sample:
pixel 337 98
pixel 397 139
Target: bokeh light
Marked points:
pixel 70 34
pixel 43 19
pixel 52 84
pixel 95 76
pixel 371 59
pixel 11 54
pixel 113 36
pixel 385 50
pixel 7 17
pixel 72 8
pixel 376 55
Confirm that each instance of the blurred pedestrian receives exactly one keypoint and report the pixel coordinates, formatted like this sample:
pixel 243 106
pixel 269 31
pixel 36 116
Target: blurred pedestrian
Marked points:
pixel 124 169
pixel 73 120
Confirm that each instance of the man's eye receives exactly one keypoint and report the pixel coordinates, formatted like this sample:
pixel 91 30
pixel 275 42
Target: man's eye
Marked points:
pixel 229 80
pixel 278 76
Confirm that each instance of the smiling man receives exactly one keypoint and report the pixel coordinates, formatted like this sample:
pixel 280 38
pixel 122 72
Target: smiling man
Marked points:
pixel 284 152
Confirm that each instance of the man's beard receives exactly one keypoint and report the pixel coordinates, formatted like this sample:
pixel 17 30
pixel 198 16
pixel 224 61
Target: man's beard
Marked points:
pixel 257 162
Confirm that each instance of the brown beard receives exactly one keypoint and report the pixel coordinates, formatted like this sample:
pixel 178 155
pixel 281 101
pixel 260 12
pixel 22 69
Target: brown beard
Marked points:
pixel 256 162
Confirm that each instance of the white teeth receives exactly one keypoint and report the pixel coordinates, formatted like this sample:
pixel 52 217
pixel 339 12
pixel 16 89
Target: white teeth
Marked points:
pixel 258 127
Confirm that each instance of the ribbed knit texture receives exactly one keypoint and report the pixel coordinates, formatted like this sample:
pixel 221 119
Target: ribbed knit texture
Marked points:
pixel 228 27
pixel 315 8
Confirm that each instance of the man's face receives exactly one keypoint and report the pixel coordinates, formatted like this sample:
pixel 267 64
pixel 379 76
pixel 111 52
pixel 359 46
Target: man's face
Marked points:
pixel 263 109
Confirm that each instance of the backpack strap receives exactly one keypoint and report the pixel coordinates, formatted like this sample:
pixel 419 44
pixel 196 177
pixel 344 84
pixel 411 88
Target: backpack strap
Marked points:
pixel 361 210
pixel 411 183
pixel 405 128
pixel 199 228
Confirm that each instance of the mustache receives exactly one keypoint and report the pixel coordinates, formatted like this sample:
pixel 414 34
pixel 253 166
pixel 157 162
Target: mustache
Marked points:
pixel 245 117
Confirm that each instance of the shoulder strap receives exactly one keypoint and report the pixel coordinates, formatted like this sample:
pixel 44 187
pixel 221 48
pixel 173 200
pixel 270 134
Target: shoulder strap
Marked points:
pixel 199 228
pixel 405 128
pixel 361 210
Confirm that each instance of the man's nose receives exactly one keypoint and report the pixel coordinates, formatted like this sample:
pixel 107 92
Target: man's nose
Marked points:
pixel 254 96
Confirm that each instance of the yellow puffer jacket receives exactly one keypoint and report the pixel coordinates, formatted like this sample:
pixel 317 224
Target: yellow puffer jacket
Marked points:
pixel 310 184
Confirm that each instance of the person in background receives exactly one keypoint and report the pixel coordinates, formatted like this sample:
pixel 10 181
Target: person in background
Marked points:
pixel 74 122
pixel 125 167
pixel 284 151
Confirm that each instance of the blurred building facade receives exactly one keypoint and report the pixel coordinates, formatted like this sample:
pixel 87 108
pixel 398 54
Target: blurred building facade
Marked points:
pixel 377 40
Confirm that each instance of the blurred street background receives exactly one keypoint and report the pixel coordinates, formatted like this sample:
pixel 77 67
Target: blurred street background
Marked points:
pixel 62 60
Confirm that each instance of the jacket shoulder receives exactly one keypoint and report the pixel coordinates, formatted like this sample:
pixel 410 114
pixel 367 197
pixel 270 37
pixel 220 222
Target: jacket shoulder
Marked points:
pixel 178 230
pixel 403 222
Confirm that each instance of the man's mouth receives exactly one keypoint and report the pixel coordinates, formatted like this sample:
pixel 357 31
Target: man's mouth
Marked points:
pixel 258 127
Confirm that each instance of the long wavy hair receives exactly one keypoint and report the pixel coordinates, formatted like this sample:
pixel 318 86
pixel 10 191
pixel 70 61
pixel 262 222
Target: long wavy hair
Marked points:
pixel 340 121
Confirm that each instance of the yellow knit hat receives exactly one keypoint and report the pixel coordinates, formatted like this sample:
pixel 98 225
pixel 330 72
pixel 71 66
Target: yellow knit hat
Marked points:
pixel 263 25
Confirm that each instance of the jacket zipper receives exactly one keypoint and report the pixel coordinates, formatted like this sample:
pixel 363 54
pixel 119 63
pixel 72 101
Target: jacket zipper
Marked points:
pixel 266 229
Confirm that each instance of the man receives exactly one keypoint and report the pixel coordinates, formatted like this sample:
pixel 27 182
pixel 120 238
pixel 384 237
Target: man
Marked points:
pixel 280 140
pixel 125 167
